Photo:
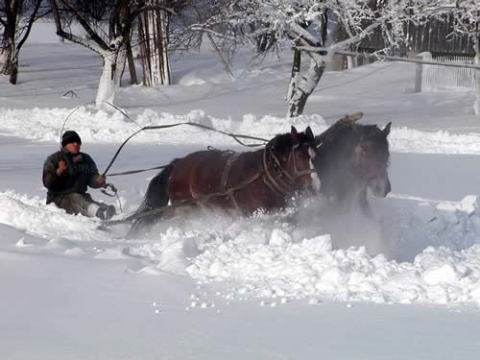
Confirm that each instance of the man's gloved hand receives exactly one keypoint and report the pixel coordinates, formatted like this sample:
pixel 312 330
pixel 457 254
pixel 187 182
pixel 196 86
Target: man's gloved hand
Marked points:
pixel 100 180
pixel 62 166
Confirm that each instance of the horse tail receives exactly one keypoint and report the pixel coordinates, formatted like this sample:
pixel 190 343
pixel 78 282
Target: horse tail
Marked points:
pixel 157 191
pixel 155 197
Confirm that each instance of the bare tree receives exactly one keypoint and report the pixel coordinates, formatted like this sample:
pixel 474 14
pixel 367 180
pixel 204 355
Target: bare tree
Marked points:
pixel 154 40
pixel 16 19
pixel 308 25
pixel 207 20
pixel 112 44
pixel 309 34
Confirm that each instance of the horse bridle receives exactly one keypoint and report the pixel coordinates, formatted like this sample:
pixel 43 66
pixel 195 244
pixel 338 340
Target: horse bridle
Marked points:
pixel 276 182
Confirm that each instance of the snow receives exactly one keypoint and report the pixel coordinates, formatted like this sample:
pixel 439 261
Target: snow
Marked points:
pixel 298 284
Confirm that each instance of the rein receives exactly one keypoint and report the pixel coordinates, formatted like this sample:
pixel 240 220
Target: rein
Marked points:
pixel 277 183
pixel 138 171
pixel 278 179
pixel 236 137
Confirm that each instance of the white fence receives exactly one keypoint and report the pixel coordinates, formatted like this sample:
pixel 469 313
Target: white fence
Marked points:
pixel 434 78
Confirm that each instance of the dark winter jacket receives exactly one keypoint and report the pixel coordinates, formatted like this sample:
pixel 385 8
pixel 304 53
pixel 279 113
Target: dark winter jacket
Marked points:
pixel 81 172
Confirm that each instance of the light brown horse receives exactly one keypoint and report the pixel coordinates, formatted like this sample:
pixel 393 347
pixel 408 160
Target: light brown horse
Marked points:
pixel 240 181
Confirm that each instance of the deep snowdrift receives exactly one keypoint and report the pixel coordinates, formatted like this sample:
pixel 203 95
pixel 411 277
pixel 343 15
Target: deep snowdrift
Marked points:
pixel 414 251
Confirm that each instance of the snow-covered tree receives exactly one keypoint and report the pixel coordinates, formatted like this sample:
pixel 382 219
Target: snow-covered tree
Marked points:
pixel 154 40
pixel 16 21
pixel 309 25
pixel 203 20
pixel 108 44
pixel 108 39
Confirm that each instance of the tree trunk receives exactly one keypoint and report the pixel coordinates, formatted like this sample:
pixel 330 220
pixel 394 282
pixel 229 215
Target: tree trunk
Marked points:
pixel 7 52
pixel 121 58
pixel 106 86
pixel 296 64
pixel 5 60
pixel 153 34
pixel 14 70
pixel 305 87
pixel 8 29
pixel 9 64
pixel 17 24
pixel 476 106
pixel 131 63
pixel 163 29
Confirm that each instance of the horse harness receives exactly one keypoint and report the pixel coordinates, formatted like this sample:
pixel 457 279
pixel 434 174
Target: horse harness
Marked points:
pixel 273 174
pixel 223 184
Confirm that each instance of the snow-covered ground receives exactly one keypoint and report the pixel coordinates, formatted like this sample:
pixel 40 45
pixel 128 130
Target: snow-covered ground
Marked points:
pixel 294 285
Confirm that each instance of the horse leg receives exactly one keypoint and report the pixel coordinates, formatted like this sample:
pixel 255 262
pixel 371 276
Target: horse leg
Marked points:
pixel 156 197
pixel 365 204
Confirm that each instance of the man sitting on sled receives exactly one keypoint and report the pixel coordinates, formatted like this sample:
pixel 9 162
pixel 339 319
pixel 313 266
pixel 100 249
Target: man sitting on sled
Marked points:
pixel 67 173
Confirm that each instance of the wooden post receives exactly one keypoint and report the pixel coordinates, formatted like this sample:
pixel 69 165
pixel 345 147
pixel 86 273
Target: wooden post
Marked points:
pixel 419 70
pixel 476 105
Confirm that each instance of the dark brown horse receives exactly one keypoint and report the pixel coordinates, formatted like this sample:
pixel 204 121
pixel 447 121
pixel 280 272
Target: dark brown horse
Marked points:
pixel 242 182
pixel 353 161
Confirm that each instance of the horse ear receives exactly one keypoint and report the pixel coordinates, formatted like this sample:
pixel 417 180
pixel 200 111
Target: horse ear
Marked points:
pixel 386 130
pixel 294 134
pixel 309 133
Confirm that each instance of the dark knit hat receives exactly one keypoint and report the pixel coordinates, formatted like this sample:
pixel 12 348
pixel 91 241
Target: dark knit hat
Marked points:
pixel 70 137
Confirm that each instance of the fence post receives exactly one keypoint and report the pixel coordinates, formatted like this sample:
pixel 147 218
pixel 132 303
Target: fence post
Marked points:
pixel 419 70
pixel 476 77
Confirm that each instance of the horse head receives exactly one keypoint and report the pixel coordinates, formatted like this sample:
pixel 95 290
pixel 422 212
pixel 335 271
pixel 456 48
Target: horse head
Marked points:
pixel 353 159
pixel 371 160
pixel 290 160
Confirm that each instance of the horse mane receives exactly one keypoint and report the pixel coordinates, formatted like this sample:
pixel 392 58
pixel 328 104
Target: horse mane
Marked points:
pixel 351 135
pixel 281 142
pixel 284 142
